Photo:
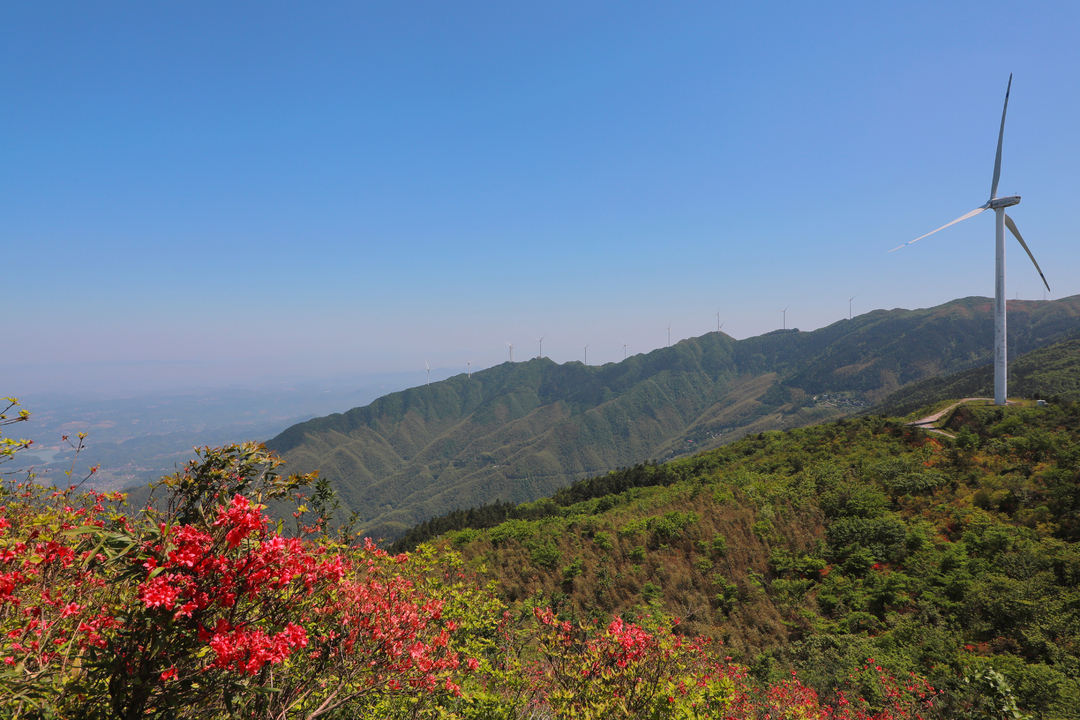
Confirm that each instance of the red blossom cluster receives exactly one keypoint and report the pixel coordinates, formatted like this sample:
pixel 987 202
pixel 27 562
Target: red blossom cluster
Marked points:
pixel 44 581
pixel 383 611
pixel 189 571
pixel 629 643
pixel 247 651
pixel 242 519
pixel 159 614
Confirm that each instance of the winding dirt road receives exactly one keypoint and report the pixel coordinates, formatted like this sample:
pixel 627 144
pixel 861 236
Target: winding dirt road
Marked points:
pixel 927 422
pixel 931 419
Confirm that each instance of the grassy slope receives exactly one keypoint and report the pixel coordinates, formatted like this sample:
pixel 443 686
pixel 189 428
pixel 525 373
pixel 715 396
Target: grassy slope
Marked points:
pixel 520 430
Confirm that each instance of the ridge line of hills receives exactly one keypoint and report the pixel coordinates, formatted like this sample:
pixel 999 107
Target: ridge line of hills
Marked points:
pixel 519 431
pixel 1051 372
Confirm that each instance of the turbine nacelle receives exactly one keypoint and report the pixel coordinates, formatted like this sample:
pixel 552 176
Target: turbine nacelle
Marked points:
pixel 1003 202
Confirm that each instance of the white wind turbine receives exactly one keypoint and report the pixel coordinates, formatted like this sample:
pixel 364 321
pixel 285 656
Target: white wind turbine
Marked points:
pixel 785 317
pixel 849 304
pixel 511 350
pixel 998 205
pixel 586 349
pixel 428 372
pixel 624 351
pixel 541 341
pixel 469 363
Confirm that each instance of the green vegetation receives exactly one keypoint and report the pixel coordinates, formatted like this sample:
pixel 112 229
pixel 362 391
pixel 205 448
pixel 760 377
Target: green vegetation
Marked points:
pixel 816 548
pixel 521 431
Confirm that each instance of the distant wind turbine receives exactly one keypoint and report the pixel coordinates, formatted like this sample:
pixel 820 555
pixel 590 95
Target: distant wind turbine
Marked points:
pixel 669 335
pixel 469 363
pixel 624 351
pixel 586 349
pixel 998 205
pixel 428 372
pixel 541 341
pixel 511 351
pixel 849 304
pixel 785 317
pixel 718 323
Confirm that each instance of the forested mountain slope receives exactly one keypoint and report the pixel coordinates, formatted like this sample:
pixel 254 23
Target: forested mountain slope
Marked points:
pixel 817 548
pixel 519 431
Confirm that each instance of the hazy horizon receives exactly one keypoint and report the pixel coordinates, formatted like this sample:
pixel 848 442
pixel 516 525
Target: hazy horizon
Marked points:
pixel 124 378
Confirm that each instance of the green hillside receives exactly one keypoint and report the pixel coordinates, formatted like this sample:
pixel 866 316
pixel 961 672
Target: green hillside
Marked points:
pixel 1052 371
pixel 519 431
pixel 817 548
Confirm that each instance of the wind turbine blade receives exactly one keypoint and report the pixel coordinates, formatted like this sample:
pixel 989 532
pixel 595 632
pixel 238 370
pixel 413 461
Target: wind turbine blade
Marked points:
pixel 1001 136
pixel 1012 228
pixel 973 213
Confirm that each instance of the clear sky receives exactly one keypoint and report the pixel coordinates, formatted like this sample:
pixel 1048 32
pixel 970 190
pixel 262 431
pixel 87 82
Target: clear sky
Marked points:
pixel 206 192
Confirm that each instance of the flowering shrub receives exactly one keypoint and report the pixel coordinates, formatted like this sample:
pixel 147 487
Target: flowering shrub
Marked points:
pixel 53 608
pixel 626 670
pixel 201 608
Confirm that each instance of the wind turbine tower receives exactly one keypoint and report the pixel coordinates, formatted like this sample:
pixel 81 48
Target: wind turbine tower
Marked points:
pixel 428 372
pixel 586 349
pixel 541 341
pixel 849 304
pixel 998 205
pixel 785 317
pixel 511 351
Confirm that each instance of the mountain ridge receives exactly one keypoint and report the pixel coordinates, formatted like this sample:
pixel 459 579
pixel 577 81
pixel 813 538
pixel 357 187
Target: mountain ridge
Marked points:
pixel 518 431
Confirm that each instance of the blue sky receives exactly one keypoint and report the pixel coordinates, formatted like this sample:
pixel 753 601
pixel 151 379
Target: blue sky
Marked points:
pixel 217 192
